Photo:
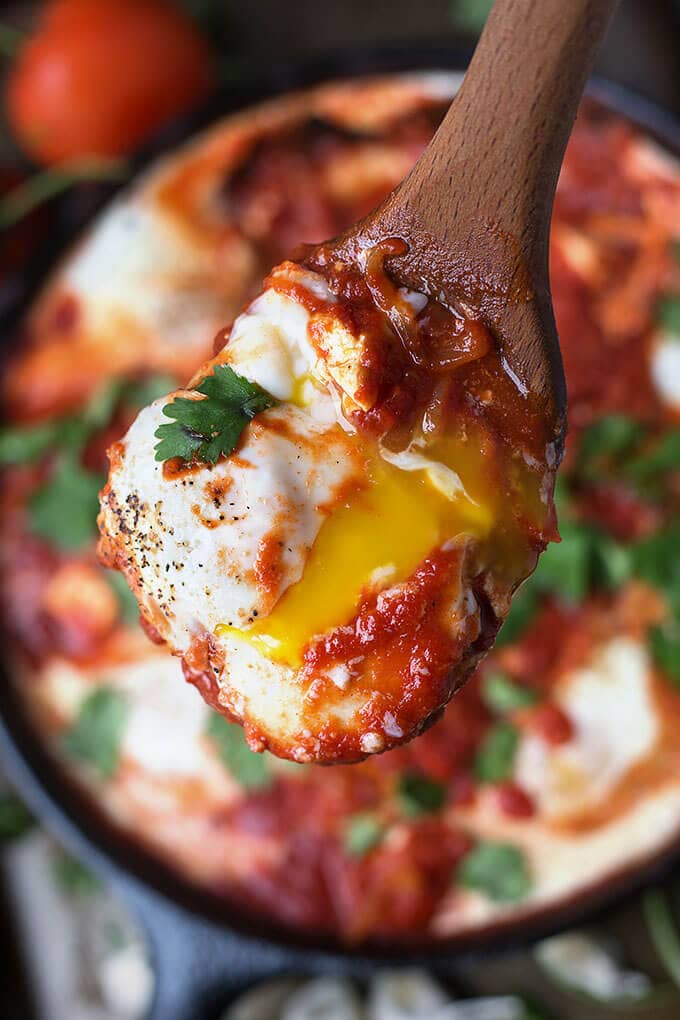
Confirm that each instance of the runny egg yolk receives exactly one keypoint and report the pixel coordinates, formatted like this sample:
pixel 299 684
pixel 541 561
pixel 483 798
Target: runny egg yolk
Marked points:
pixel 376 538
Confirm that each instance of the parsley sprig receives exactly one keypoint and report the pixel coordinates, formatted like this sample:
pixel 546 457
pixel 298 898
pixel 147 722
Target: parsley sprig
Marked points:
pixel 250 770
pixel 204 429
pixel 97 731
pixel 497 870
pixel 63 511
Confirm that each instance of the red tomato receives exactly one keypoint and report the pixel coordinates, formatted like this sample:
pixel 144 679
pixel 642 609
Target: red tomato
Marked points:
pixel 98 76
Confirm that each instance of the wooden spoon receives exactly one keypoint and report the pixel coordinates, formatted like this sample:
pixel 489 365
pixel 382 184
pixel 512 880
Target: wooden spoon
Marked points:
pixel 475 210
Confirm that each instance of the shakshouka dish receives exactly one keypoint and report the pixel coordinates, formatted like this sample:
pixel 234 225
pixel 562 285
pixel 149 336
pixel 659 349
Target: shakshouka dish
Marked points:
pixel 558 764
pixel 331 525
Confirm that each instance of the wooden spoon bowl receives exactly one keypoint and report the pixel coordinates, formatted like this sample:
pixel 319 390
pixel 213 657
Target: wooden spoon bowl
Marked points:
pixel 475 211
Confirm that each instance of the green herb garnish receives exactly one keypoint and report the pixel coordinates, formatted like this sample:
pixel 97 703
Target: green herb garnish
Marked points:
pixel 203 430
pixel 499 870
pixel 522 609
pixel 127 603
pixel 137 393
pixel 418 794
pixel 607 440
pixel 363 832
pixel 664 644
pixel 501 694
pixel 663 931
pixel 72 877
pixel 23 444
pixel 469 15
pixel 15 818
pixel 668 314
pixel 64 511
pixel 249 769
pixel 96 733
pixel 496 754
pixel 565 566
pixel 663 456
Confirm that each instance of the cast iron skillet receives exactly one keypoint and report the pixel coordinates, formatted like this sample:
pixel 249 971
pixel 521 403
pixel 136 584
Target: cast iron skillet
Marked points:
pixel 203 947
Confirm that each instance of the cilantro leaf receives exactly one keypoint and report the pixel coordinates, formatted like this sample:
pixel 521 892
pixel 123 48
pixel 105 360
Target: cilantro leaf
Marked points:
pixel 606 440
pixel 23 444
pixel 418 794
pixel 565 566
pixel 469 15
pixel 612 562
pixel 72 877
pixel 205 429
pixel 64 511
pixel 664 456
pixel 499 870
pixel 15 818
pixel 522 609
pixel 249 769
pixel 127 603
pixel 501 694
pixel 363 832
pixel 496 754
pixel 664 643
pixel 137 393
pixel 668 314
pixel 655 560
pixel 96 733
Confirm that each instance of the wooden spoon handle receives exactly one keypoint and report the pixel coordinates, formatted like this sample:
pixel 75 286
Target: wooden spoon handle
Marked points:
pixel 501 144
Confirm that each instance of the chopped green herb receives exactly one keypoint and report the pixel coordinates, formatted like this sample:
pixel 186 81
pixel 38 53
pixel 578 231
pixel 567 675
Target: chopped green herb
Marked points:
pixel 15 818
pixel 661 457
pixel 668 314
pixel 249 769
pixel 127 603
pixel 470 15
pixel 656 561
pixel 663 931
pixel 496 754
pixel 612 562
pixel 64 511
pixel 606 441
pixel 499 870
pixel 418 794
pixel 522 610
pixel 46 184
pixel 73 877
pixel 96 734
pixel 527 1011
pixel 137 393
pixel 501 694
pixel 363 832
pixel 203 430
pixel 664 643
pixel 564 568
pixel 23 444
